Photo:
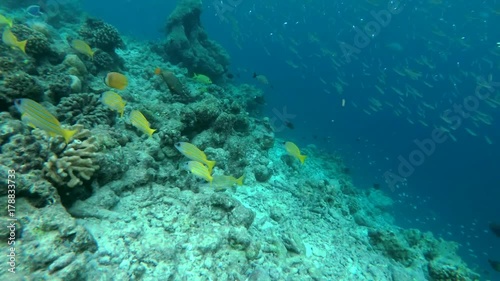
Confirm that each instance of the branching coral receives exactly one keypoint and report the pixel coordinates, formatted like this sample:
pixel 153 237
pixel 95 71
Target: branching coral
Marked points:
pixel 76 161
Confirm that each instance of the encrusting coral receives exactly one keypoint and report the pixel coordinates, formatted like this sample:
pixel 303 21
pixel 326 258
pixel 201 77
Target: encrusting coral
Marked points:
pixel 187 42
pixel 75 162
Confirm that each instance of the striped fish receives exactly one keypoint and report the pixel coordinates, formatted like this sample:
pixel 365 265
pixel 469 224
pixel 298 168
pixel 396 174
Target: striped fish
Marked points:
pixel 194 153
pixel 37 116
pixel 113 101
pixel 198 169
pixel 140 122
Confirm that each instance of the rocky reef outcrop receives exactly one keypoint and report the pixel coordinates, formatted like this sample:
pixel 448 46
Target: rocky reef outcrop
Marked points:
pixel 188 43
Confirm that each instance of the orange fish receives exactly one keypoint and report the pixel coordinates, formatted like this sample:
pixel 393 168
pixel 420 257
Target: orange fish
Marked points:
pixel 116 80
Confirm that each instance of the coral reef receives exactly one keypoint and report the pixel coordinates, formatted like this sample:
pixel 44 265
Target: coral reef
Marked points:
pixel 101 35
pixel 18 85
pixel 85 109
pixel 141 216
pixel 73 163
pixel 38 44
pixel 187 42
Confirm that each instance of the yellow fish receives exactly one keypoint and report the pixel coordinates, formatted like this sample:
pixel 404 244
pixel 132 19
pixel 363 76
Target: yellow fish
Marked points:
pixel 83 48
pixel 36 116
pixel 202 78
pixel 194 153
pixel 116 80
pixel 5 21
pixel 141 123
pixel 293 150
pixel 198 169
pixel 221 182
pixel 11 40
pixel 113 101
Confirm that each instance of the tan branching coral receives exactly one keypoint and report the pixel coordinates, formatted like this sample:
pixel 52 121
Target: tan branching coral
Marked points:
pixel 75 161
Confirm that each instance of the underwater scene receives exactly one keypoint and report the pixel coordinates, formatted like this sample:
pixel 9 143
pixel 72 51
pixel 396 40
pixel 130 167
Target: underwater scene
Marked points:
pixel 250 140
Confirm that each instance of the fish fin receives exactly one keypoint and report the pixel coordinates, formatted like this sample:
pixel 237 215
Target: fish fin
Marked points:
pixel 68 134
pixel 210 165
pixel 302 158
pixel 150 132
pixel 239 181
pixel 10 22
pixel 22 45
pixel 26 119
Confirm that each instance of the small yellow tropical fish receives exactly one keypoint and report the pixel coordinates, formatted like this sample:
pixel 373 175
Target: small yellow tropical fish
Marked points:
pixel 116 80
pixel 11 40
pixel 198 169
pixel 194 153
pixel 294 151
pixel 140 122
pixel 37 116
pixel 5 21
pixel 113 101
pixel 221 182
pixel 202 78
pixel 83 48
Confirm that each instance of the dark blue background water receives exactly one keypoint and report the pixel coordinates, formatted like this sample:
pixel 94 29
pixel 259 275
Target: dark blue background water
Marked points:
pixel 456 189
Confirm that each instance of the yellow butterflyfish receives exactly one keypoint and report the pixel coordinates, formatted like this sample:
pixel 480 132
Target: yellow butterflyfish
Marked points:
pixel 113 101
pixel 116 80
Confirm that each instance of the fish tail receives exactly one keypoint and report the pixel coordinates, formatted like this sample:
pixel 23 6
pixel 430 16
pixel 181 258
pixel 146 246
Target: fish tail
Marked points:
pixel 22 45
pixel 150 132
pixel 210 165
pixel 239 181
pixel 302 158
pixel 68 134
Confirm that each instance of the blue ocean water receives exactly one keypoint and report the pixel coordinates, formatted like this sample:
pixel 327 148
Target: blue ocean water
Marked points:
pixel 455 191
